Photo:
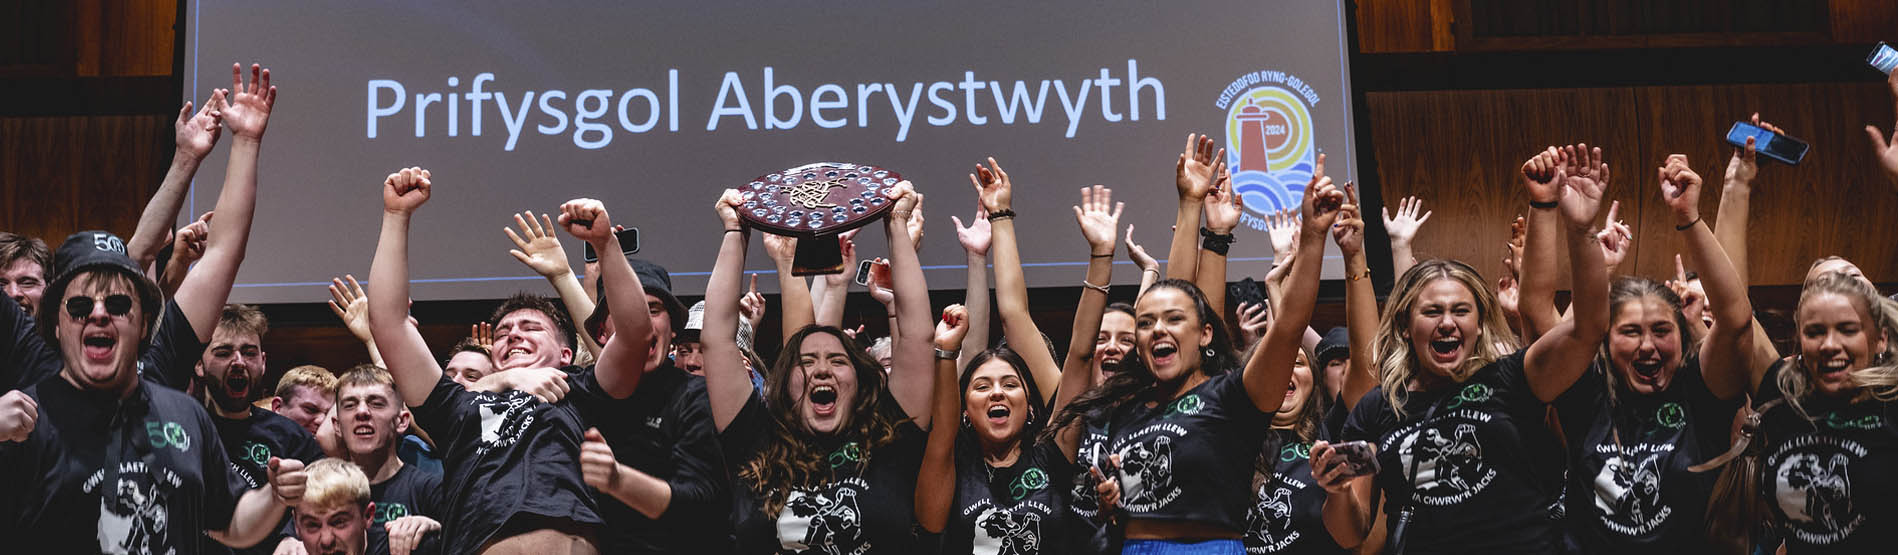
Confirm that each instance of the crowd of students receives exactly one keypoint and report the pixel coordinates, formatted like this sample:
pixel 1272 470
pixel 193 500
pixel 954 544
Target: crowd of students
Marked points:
pixel 1466 414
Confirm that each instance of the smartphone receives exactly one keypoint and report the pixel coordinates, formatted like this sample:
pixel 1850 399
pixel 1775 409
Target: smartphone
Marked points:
pixel 628 244
pixel 879 274
pixel 1245 291
pixel 1883 58
pixel 1767 143
pixel 1100 460
pixel 863 271
pixel 1359 458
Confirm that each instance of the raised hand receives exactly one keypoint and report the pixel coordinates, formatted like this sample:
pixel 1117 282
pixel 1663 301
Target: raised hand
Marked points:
pixel 18 414
pixel 1282 228
pixel 847 244
pixel 1194 172
pixel 188 243
pixel 597 465
pixel 1584 180
pixel 1348 232
pixel 537 246
pixel 1538 176
pixel 915 227
pixel 348 302
pixel 586 219
pixel 882 284
pixel 1322 202
pixel 1097 222
pixel 1693 299
pixel 483 334
pixel 287 480
pixel 903 200
pixel 250 103
pixel 1886 151
pixel 1403 228
pixel 1253 321
pixel 781 248
pixel 1223 205
pixel 952 328
pixel 974 237
pixel 1508 295
pixel 1743 166
pixel 727 209
pixel 1614 238
pixel 992 187
pixel 1680 189
pixel 1138 254
pixel 197 132
pixel 1512 251
pixel 751 306
pixel 406 190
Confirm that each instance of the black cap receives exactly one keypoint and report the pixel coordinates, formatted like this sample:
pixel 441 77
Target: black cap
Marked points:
pixel 1335 345
pixel 656 281
pixel 90 251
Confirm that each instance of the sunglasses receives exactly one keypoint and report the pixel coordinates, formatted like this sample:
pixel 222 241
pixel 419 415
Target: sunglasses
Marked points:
pixel 81 307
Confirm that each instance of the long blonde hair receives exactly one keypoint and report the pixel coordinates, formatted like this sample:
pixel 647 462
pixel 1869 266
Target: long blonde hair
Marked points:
pixel 1879 380
pixel 1397 364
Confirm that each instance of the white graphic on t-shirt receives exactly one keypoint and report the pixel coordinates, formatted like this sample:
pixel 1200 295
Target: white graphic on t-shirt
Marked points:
pixel 503 420
pixel 1147 472
pixel 1813 487
pixel 1450 469
pixel 1628 494
pixel 812 522
pixel 1269 521
pixel 1002 532
pixel 134 521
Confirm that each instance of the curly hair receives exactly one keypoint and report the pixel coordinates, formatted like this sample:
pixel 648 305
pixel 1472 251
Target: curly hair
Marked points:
pixel 793 456
pixel 1397 363
pixel 1135 379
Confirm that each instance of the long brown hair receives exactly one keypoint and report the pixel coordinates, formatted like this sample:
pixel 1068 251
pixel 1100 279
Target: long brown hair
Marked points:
pixel 1135 378
pixel 794 457
pixel 1395 360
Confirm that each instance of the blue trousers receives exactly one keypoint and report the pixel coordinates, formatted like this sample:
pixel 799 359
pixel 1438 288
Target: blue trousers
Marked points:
pixel 1166 547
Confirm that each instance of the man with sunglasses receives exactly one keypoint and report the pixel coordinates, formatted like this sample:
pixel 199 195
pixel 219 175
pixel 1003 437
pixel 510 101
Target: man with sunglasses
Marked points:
pixel 115 463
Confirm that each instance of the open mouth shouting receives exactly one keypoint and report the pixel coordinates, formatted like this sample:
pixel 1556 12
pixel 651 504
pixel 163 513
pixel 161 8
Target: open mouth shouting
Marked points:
pixel 99 345
pixel 998 415
pixel 237 384
pixel 824 400
pixel 1647 370
pixel 1446 350
pixel 1165 353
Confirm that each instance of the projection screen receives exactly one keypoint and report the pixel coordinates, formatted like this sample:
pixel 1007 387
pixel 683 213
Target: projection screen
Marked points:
pixel 655 107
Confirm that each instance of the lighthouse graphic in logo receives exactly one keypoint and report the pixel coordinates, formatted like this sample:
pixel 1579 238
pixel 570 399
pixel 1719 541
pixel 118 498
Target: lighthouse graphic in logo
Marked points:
pixel 1269 148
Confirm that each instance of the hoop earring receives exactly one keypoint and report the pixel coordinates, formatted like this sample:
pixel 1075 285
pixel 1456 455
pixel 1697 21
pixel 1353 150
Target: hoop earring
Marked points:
pixel 1209 352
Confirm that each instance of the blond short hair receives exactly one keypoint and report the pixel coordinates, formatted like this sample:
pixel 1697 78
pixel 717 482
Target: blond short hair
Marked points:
pixel 334 483
pixel 310 376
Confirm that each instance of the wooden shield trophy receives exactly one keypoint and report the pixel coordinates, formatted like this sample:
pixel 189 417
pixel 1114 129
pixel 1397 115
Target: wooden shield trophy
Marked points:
pixel 814 203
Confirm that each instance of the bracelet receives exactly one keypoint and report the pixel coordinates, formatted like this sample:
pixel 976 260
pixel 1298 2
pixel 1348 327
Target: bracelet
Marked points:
pixel 1001 215
pixel 1090 285
pixel 1216 243
pixel 1690 225
pixel 1145 270
pixel 1108 255
pixel 1544 205
pixel 947 355
pixel 1352 278
pixel 734 231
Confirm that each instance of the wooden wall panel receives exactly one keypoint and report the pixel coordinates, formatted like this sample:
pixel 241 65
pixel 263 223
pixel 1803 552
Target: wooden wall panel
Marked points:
pixel 1460 150
pixel 59 175
pixel 1386 26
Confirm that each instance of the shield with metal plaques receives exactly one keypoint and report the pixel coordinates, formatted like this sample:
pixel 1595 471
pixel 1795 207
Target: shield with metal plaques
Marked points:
pixel 814 203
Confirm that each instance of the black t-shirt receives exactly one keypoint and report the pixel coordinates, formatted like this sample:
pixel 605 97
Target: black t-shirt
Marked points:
pixel 410 492
pixel 1090 532
pixel 664 430
pixel 504 454
pixel 1636 495
pixel 99 475
pixel 1019 510
pixel 867 506
pixel 26 358
pixel 1184 459
pixel 249 444
pixel 1289 513
pixel 1829 480
pixel 1487 465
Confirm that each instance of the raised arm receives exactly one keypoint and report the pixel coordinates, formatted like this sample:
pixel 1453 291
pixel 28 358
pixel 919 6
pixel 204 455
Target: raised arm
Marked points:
pixel 1402 230
pixel 1886 152
pixel 975 239
pixel 186 249
pixel 1736 198
pixel 1098 217
pixel 1193 176
pixel 936 478
pixel 727 386
pixel 349 303
pixel 1011 289
pixel 1223 206
pixel 794 296
pixel 196 133
pixel 1360 300
pixel 1270 368
pixel 623 359
pixel 1559 357
pixel 538 249
pixel 1728 354
pixel 911 362
pixel 1149 268
pixel 203 292
pixel 829 291
pixel 409 362
pixel 1542 229
pixel 1613 240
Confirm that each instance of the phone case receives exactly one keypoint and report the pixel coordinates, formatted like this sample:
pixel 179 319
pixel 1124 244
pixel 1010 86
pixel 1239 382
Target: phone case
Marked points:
pixel 1883 58
pixel 1359 458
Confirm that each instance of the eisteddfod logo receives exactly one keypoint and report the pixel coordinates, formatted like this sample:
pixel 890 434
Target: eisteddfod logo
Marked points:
pixel 1269 143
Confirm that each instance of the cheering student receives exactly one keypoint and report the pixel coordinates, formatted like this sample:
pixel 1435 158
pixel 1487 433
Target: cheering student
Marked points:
pixel 1466 463
pixel 510 457
pixel 334 515
pixel 991 484
pixel 371 420
pixel 232 374
pixel 826 460
pixel 1183 419
pixel 303 395
pixel 1657 400
pixel 110 462
pixel 23 265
